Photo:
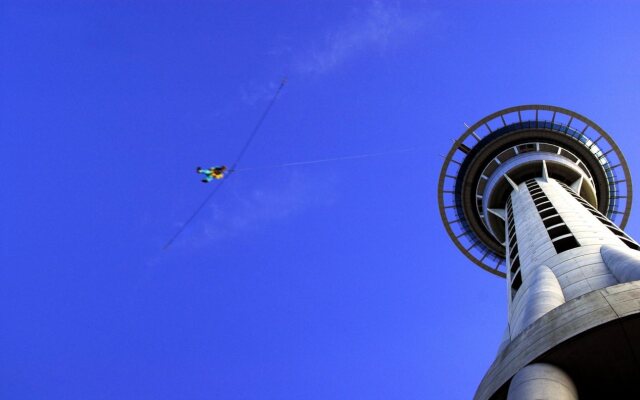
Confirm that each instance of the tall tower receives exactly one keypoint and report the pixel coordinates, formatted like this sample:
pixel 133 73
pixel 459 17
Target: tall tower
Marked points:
pixel 540 195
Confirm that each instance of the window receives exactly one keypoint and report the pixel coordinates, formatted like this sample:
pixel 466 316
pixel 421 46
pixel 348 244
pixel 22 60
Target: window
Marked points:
pixel 515 265
pixel 565 243
pixel 515 284
pixel 624 238
pixel 558 232
pixel 630 244
pixel 514 260
pixel 547 212
pixel 553 220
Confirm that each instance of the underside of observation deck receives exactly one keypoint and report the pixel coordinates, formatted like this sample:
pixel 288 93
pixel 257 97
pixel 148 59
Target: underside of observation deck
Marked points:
pixel 546 131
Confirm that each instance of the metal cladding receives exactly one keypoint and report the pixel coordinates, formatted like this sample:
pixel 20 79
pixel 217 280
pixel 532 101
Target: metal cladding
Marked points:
pixel 540 195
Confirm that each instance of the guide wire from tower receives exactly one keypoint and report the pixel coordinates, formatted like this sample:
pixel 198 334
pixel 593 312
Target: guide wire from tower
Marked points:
pixel 324 160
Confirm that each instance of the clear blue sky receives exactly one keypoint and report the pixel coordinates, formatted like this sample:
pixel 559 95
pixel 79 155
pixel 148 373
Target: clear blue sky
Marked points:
pixel 329 281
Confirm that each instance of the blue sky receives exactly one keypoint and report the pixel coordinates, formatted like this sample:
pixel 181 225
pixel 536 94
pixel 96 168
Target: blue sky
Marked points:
pixel 322 281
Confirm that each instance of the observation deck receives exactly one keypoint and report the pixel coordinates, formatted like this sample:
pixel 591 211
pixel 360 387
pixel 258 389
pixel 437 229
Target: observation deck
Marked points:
pixel 511 146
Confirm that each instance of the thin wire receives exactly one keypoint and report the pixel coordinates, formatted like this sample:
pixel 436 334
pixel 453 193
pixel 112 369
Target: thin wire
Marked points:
pixel 235 163
pixel 382 153
pixel 206 200
pixel 258 125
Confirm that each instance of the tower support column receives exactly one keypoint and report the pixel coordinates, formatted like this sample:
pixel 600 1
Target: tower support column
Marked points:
pixel 542 381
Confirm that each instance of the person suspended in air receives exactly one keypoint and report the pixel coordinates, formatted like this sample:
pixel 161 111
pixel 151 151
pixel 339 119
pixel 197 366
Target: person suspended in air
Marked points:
pixel 212 173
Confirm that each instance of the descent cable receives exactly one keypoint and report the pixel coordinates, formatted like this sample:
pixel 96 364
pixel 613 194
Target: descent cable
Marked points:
pixel 235 163
pixel 357 156
pixel 258 125
pixel 200 207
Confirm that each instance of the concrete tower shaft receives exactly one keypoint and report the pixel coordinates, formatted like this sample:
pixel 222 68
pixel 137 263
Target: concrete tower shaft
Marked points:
pixel 540 195
pixel 553 249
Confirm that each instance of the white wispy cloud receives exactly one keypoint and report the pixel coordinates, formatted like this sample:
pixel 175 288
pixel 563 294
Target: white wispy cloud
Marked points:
pixel 374 29
pixel 253 93
pixel 240 212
